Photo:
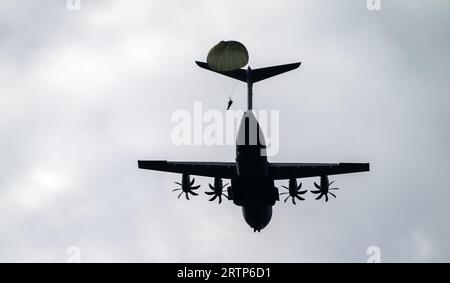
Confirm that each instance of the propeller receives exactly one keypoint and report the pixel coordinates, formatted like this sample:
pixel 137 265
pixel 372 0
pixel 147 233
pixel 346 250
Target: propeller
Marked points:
pixel 187 186
pixel 217 190
pixel 324 188
pixel 293 191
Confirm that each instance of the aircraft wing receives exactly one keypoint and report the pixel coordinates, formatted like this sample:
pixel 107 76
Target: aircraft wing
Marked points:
pixel 225 170
pixel 280 171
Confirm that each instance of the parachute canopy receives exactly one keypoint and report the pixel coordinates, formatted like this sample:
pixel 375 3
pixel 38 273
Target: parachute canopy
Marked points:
pixel 227 56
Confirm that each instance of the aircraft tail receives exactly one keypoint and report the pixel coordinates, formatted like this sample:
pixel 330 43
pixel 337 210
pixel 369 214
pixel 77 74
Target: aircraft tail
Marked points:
pixel 253 75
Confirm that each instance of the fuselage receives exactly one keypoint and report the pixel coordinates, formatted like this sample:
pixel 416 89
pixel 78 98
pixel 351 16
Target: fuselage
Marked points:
pixel 253 189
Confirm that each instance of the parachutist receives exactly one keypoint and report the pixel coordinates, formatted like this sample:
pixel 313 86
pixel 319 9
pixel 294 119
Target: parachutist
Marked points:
pixel 229 104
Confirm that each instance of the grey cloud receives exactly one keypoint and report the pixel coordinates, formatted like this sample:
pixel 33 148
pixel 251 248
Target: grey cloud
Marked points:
pixel 85 94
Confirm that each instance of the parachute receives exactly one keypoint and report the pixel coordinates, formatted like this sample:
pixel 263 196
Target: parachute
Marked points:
pixel 227 56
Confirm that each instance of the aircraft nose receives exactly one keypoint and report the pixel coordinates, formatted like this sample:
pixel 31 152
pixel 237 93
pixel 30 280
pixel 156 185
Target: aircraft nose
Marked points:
pixel 257 217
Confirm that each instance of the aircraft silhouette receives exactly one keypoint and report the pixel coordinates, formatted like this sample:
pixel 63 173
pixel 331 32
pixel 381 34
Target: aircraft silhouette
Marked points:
pixel 252 176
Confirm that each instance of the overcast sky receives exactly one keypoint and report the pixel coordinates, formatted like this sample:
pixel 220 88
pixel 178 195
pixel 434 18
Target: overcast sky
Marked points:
pixel 85 94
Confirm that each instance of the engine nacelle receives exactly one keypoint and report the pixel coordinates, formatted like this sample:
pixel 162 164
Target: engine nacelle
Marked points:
pixel 324 183
pixel 218 185
pixel 186 186
pixel 324 188
pixel 186 182
pixel 293 185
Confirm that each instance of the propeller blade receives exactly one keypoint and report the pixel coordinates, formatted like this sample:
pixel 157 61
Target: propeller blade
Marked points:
pixel 213 198
pixel 193 193
pixel 187 196
pixel 211 187
pixel 299 197
pixel 326 198
pixel 220 199
pixel 283 194
pixel 302 192
pixel 210 193
pixel 195 187
pixel 332 194
pixel 178 183
pixel 332 189
pixel 319 197
pixel 293 200
pixel 329 184
pixel 315 192
pixel 180 194
pixel 176 190
pixel 285 187
pixel 286 198
pixel 226 196
pixel 299 187
pixel 317 186
pixel 192 181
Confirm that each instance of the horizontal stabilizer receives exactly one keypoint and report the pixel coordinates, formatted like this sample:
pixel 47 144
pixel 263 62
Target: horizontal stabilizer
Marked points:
pixel 256 75
pixel 238 74
pixel 265 73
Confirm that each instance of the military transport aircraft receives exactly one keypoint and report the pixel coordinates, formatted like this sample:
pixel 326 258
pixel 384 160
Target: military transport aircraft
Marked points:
pixel 252 176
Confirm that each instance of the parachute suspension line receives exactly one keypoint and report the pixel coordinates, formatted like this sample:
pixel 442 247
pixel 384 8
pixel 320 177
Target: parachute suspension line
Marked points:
pixel 222 88
pixel 226 91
